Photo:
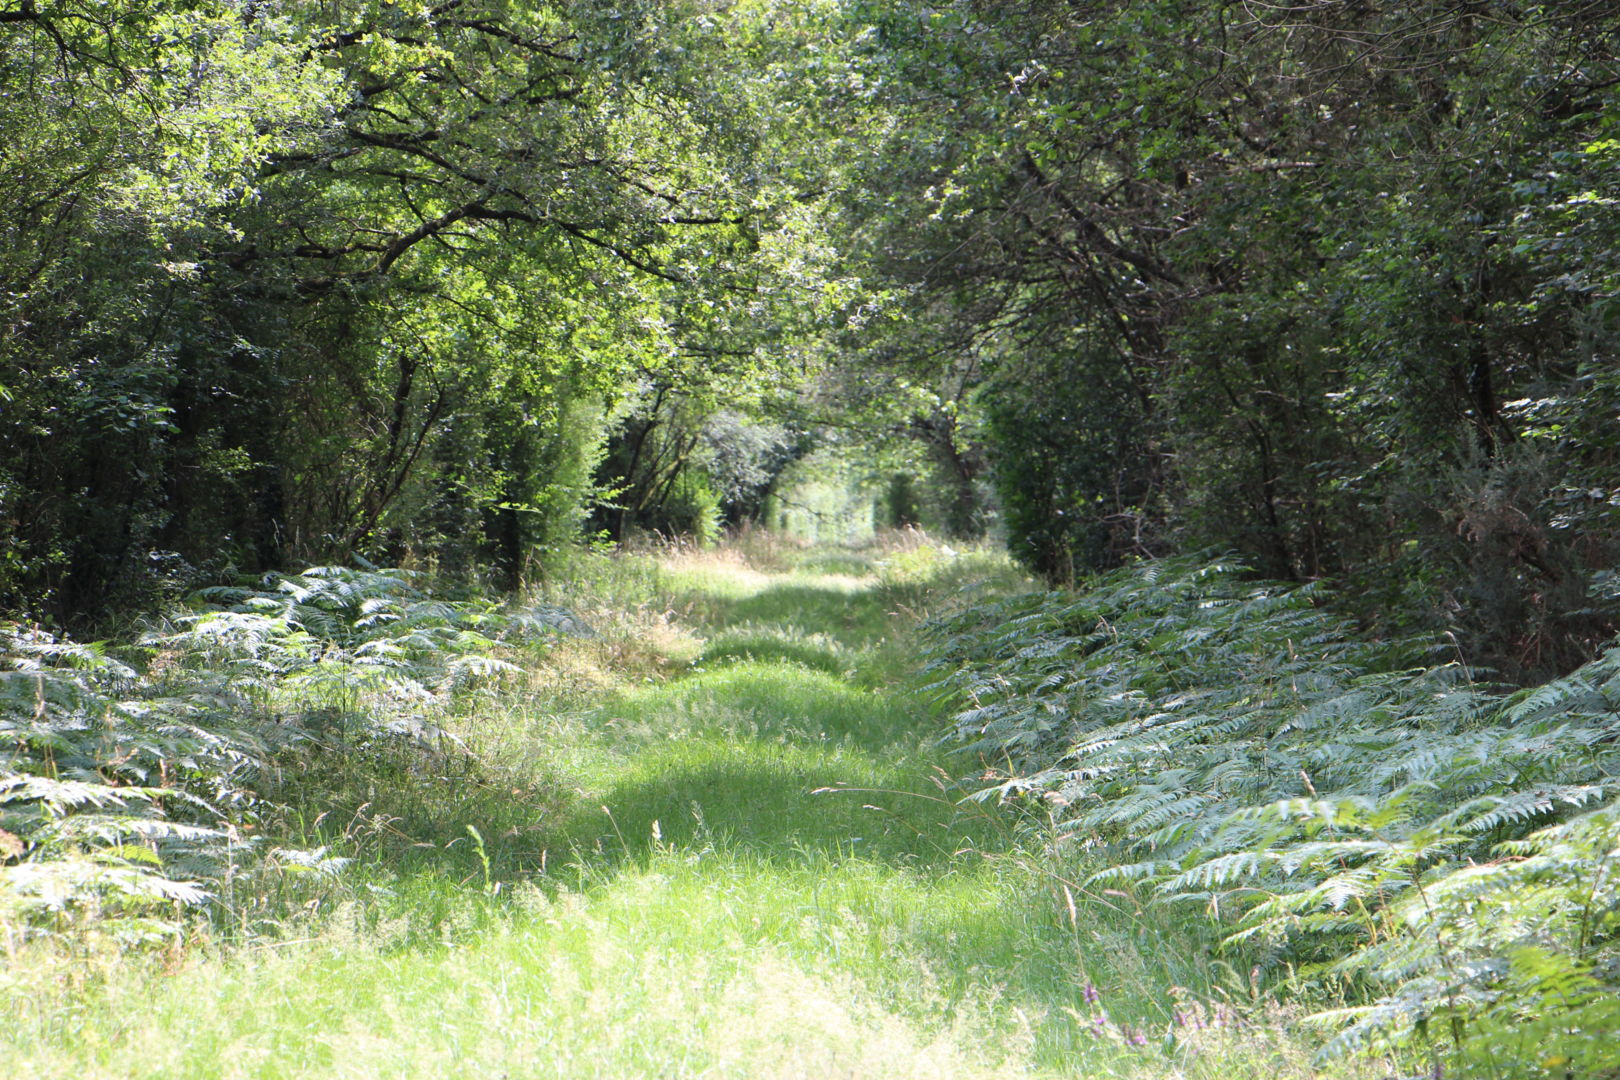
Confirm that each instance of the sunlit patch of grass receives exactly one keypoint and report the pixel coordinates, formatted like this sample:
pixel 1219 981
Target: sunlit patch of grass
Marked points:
pixel 766 699
pixel 712 840
pixel 681 969
pixel 844 561
pixel 691 959
pixel 645 642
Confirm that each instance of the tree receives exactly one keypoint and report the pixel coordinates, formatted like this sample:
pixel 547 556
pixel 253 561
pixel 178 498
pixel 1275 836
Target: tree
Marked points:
pixel 1258 279
pixel 354 278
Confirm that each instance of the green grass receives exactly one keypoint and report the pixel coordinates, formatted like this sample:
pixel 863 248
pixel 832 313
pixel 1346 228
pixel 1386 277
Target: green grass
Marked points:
pixel 821 652
pixel 719 844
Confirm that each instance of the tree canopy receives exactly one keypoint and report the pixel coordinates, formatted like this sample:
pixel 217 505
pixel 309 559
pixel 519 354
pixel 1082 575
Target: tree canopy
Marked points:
pixel 1328 285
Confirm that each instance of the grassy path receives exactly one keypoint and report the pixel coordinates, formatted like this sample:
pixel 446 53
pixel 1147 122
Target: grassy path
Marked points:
pixel 742 868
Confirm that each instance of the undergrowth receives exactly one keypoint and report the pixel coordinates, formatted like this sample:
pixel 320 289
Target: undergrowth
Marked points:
pixel 679 814
pixel 1366 822
pixel 140 781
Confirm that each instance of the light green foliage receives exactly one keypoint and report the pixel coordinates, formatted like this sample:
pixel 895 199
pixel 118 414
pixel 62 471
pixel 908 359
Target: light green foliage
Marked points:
pixel 1228 744
pixel 127 793
pixel 1510 963
pixel 832 495
pixel 286 283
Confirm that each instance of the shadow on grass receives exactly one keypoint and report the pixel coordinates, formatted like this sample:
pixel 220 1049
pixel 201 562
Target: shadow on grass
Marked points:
pixel 772 763
pixel 928 885
pixel 781 804
pixel 778 778
pixel 857 617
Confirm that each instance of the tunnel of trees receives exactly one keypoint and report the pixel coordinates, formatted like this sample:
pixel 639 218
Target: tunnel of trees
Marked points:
pixel 459 283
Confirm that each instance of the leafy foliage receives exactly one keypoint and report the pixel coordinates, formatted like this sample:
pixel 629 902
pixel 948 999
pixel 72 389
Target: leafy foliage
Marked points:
pixel 115 800
pixel 1329 285
pixel 286 284
pixel 1349 811
pixel 125 793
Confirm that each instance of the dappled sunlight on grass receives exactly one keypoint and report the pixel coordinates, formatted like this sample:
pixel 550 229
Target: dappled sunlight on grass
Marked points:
pixel 675 971
pixel 847 611
pixel 711 840
pixel 700 959
pixel 749 642
pixel 765 699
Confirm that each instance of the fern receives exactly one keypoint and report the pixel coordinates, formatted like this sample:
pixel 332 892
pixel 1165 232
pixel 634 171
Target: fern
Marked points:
pixel 1235 745
pixel 121 790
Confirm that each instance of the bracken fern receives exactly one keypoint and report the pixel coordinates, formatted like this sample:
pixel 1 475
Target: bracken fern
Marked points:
pixel 1348 809
pixel 128 789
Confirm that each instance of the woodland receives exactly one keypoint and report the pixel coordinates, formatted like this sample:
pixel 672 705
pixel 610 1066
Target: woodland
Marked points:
pixel 1016 537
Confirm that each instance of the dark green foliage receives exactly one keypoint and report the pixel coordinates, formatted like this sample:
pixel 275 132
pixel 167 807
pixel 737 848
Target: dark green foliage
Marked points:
pixel 656 471
pixel 1072 469
pixel 744 459
pixel 1329 287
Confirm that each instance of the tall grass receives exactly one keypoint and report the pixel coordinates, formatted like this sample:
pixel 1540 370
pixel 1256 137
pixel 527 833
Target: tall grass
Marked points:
pixel 711 837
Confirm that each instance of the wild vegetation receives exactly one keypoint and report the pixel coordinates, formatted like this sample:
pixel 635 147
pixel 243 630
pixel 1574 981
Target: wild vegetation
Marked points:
pixel 415 416
pixel 1361 820
pixel 1325 285
pixel 711 835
